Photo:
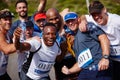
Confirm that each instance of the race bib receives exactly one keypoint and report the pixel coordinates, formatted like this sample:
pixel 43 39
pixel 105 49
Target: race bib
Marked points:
pixel 84 58
pixel 115 50
pixel 44 67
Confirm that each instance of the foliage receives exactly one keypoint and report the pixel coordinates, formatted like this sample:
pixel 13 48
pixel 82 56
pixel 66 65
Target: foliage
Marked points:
pixel 78 6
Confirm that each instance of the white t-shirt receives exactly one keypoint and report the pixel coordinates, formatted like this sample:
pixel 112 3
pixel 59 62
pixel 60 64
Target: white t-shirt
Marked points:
pixel 112 29
pixel 23 55
pixel 42 60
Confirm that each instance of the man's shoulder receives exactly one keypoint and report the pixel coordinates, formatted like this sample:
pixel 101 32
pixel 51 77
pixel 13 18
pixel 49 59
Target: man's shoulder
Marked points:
pixel 17 22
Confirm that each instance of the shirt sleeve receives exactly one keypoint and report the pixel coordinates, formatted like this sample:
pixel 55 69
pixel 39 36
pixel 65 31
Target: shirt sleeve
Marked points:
pixel 35 44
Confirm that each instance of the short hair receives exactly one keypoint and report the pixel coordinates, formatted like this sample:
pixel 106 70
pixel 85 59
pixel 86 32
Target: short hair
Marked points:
pixel 49 24
pixel 21 1
pixel 95 7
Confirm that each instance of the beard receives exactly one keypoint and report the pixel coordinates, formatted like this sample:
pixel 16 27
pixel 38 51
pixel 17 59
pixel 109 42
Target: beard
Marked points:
pixel 23 16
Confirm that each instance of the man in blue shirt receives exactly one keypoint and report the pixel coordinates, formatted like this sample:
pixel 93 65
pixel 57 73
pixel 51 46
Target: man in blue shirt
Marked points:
pixel 22 10
pixel 92 51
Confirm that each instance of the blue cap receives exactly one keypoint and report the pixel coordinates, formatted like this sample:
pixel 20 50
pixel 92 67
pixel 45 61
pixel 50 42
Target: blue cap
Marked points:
pixel 70 15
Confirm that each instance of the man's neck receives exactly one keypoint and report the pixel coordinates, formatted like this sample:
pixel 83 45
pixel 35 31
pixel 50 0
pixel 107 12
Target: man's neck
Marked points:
pixel 23 19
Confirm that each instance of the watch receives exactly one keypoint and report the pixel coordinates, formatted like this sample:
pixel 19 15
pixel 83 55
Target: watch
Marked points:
pixel 105 56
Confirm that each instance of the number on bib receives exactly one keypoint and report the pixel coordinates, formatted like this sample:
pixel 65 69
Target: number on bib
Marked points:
pixel 84 58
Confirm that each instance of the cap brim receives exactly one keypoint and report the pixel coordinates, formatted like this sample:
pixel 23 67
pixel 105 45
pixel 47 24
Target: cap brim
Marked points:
pixel 40 18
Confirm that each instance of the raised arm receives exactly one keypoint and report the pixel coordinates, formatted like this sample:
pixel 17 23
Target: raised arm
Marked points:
pixel 20 46
pixel 42 5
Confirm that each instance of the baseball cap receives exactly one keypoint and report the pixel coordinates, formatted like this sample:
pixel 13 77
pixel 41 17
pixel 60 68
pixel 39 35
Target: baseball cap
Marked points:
pixel 29 24
pixel 70 15
pixel 5 13
pixel 95 7
pixel 39 16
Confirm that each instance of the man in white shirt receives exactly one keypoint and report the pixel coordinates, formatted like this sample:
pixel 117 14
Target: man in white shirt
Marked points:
pixel 42 53
pixel 110 24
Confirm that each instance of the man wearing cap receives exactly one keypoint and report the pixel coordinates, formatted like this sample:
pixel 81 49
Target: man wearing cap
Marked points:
pixel 110 24
pixel 5 46
pixel 91 49
pixel 39 20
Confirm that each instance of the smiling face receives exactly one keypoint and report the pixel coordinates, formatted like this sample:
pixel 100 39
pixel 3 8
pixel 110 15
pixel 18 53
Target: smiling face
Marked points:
pixel 29 32
pixel 72 24
pixel 6 23
pixel 40 23
pixel 100 18
pixel 21 9
pixel 54 17
pixel 49 35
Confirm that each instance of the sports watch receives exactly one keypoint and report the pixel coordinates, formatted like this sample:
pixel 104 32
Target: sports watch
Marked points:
pixel 105 56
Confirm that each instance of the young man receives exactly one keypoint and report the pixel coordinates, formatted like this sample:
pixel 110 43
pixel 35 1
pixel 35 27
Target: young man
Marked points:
pixel 91 49
pixel 110 24
pixel 53 16
pixel 40 20
pixel 5 46
pixel 28 33
pixel 42 53
pixel 22 10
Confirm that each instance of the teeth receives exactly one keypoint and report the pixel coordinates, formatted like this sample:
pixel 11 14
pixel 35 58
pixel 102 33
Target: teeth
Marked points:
pixel 50 40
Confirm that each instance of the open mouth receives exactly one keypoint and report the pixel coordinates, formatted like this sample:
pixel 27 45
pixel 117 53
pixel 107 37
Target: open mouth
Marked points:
pixel 50 41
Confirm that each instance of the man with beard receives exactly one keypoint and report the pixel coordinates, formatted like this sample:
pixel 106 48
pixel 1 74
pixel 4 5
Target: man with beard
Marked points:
pixel 22 10
pixel 43 53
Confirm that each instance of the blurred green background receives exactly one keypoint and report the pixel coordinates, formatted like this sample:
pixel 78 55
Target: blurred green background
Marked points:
pixel 78 6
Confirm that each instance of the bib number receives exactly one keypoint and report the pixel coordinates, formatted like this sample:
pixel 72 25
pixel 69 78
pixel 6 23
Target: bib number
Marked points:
pixel 84 58
pixel 115 50
pixel 43 67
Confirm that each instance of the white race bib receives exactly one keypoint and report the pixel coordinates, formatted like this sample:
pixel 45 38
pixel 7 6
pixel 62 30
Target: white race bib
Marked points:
pixel 115 50
pixel 43 67
pixel 84 58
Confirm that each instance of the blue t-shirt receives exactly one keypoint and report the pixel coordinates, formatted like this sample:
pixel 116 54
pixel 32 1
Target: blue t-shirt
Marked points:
pixel 15 25
pixel 89 40
pixel 18 22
